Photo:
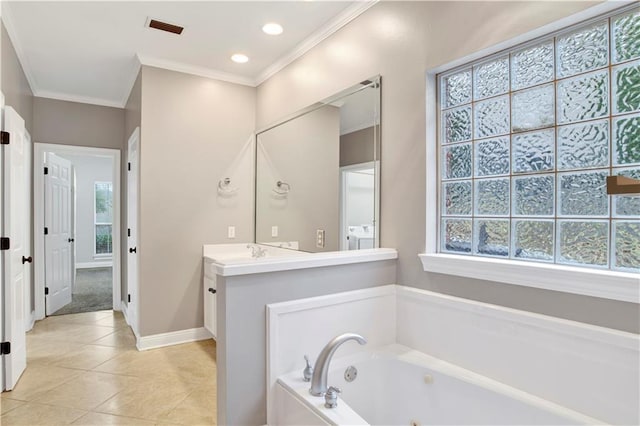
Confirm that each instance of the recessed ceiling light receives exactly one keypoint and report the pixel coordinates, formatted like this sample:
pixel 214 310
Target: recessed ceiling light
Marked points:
pixel 240 58
pixel 272 28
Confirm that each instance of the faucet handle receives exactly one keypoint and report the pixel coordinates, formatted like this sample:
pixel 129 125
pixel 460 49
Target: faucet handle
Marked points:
pixel 331 397
pixel 308 370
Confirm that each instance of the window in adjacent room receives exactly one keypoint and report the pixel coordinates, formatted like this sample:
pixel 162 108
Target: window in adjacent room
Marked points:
pixel 103 218
pixel 527 138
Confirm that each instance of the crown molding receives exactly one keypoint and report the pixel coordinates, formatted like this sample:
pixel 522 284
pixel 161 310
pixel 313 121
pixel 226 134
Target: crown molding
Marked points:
pixel 195 70
pixel 331 27
pixel 7 20
pixel 76 98
pixel 346 16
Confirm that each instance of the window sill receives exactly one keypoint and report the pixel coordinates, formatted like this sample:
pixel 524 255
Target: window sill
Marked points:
pixel 621 286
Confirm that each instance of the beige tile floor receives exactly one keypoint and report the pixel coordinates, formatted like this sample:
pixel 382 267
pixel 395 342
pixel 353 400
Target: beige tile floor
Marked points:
pixel 84 369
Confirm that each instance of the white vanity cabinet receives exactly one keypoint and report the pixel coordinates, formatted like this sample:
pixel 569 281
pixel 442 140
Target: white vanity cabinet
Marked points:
pixel 210 299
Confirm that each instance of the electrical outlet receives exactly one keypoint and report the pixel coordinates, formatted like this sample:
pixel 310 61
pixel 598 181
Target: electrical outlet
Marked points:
pixel 320 238
pixel 274 231
pixel 231 232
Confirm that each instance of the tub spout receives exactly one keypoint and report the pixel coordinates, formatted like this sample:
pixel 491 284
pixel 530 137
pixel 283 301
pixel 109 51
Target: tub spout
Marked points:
pixel 321 369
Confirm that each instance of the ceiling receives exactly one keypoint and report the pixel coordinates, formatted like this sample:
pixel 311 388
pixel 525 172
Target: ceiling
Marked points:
pixel 90 51
pixel 359 110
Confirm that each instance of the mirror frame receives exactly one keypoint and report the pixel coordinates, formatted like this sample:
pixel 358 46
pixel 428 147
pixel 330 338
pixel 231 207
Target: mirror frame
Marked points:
pixel 376 82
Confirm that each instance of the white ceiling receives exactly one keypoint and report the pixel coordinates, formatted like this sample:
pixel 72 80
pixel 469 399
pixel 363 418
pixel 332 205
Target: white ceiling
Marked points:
pixel 89 51
pixel 359 110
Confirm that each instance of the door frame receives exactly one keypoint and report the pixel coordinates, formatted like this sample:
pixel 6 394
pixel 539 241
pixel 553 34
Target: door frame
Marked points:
pixel 38 216
pixel 130 310
pixel 343 197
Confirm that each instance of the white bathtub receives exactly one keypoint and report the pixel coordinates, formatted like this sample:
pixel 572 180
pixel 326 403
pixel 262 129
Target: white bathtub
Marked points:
pixel 400 386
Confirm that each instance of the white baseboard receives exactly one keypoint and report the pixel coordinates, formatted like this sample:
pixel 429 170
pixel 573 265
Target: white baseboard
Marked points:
pixel 125 313
pixel 124 307
pixel 172 338
pixel 85 265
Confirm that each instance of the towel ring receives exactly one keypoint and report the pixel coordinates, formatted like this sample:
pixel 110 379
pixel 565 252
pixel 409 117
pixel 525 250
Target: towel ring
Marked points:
pixel 282 188
pixel 224 187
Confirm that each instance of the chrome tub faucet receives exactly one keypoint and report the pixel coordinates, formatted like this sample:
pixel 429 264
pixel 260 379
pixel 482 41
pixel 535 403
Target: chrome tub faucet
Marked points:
pixel 321 369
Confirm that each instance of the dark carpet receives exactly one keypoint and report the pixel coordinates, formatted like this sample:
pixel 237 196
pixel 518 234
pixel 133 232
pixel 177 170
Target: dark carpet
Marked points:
pixel 93 292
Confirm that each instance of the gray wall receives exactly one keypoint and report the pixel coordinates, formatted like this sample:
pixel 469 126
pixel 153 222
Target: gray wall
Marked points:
pixel 241 319
pixel 357 147
pixel 194 131
pixel 305 153
pixel 74 123
pixel 15 86
pixel 401 41
pixel 89 170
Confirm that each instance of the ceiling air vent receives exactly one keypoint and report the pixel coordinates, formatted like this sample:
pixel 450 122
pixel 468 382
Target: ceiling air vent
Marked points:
pixel 164 26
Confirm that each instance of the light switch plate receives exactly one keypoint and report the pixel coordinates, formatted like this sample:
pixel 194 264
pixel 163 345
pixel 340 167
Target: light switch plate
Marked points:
pixel 320 238
pixel 231 232
pixel 274 231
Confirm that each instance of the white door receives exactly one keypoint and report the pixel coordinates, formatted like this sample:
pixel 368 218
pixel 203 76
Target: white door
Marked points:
pixel 74 215
pixel 1 234
pixel 1 228
pixel 57 240
pixel 133 176
pixel 15 226
pixel 28 270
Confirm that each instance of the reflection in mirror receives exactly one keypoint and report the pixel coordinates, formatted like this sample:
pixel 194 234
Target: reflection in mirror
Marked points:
pixel 317 175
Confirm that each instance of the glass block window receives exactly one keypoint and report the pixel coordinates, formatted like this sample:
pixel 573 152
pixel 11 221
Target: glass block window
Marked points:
pixel 103 218
pixel 527 139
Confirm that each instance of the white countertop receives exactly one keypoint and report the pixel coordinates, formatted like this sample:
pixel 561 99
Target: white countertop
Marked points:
pixel 235 259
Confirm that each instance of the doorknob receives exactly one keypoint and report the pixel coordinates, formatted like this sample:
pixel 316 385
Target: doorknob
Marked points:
pixel 133 250
pixel 26 259
pixel 71 240
pixel 212 290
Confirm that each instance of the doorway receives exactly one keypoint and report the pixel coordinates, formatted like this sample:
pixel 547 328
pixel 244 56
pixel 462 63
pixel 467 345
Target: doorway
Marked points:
pixel 77 228
pixel 357 206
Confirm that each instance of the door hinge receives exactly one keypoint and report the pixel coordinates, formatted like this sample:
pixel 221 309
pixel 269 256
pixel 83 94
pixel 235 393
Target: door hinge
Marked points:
pixel 46 170
pixel 46 231
pixel 128 232
pixel 46 291
pixel 128 298
pixel 5 348
pixel 5 243
pixel 129 166
pixel 5 138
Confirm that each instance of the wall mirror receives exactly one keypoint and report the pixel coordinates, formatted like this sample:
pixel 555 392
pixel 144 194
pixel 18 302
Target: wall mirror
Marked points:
pixel 317 174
